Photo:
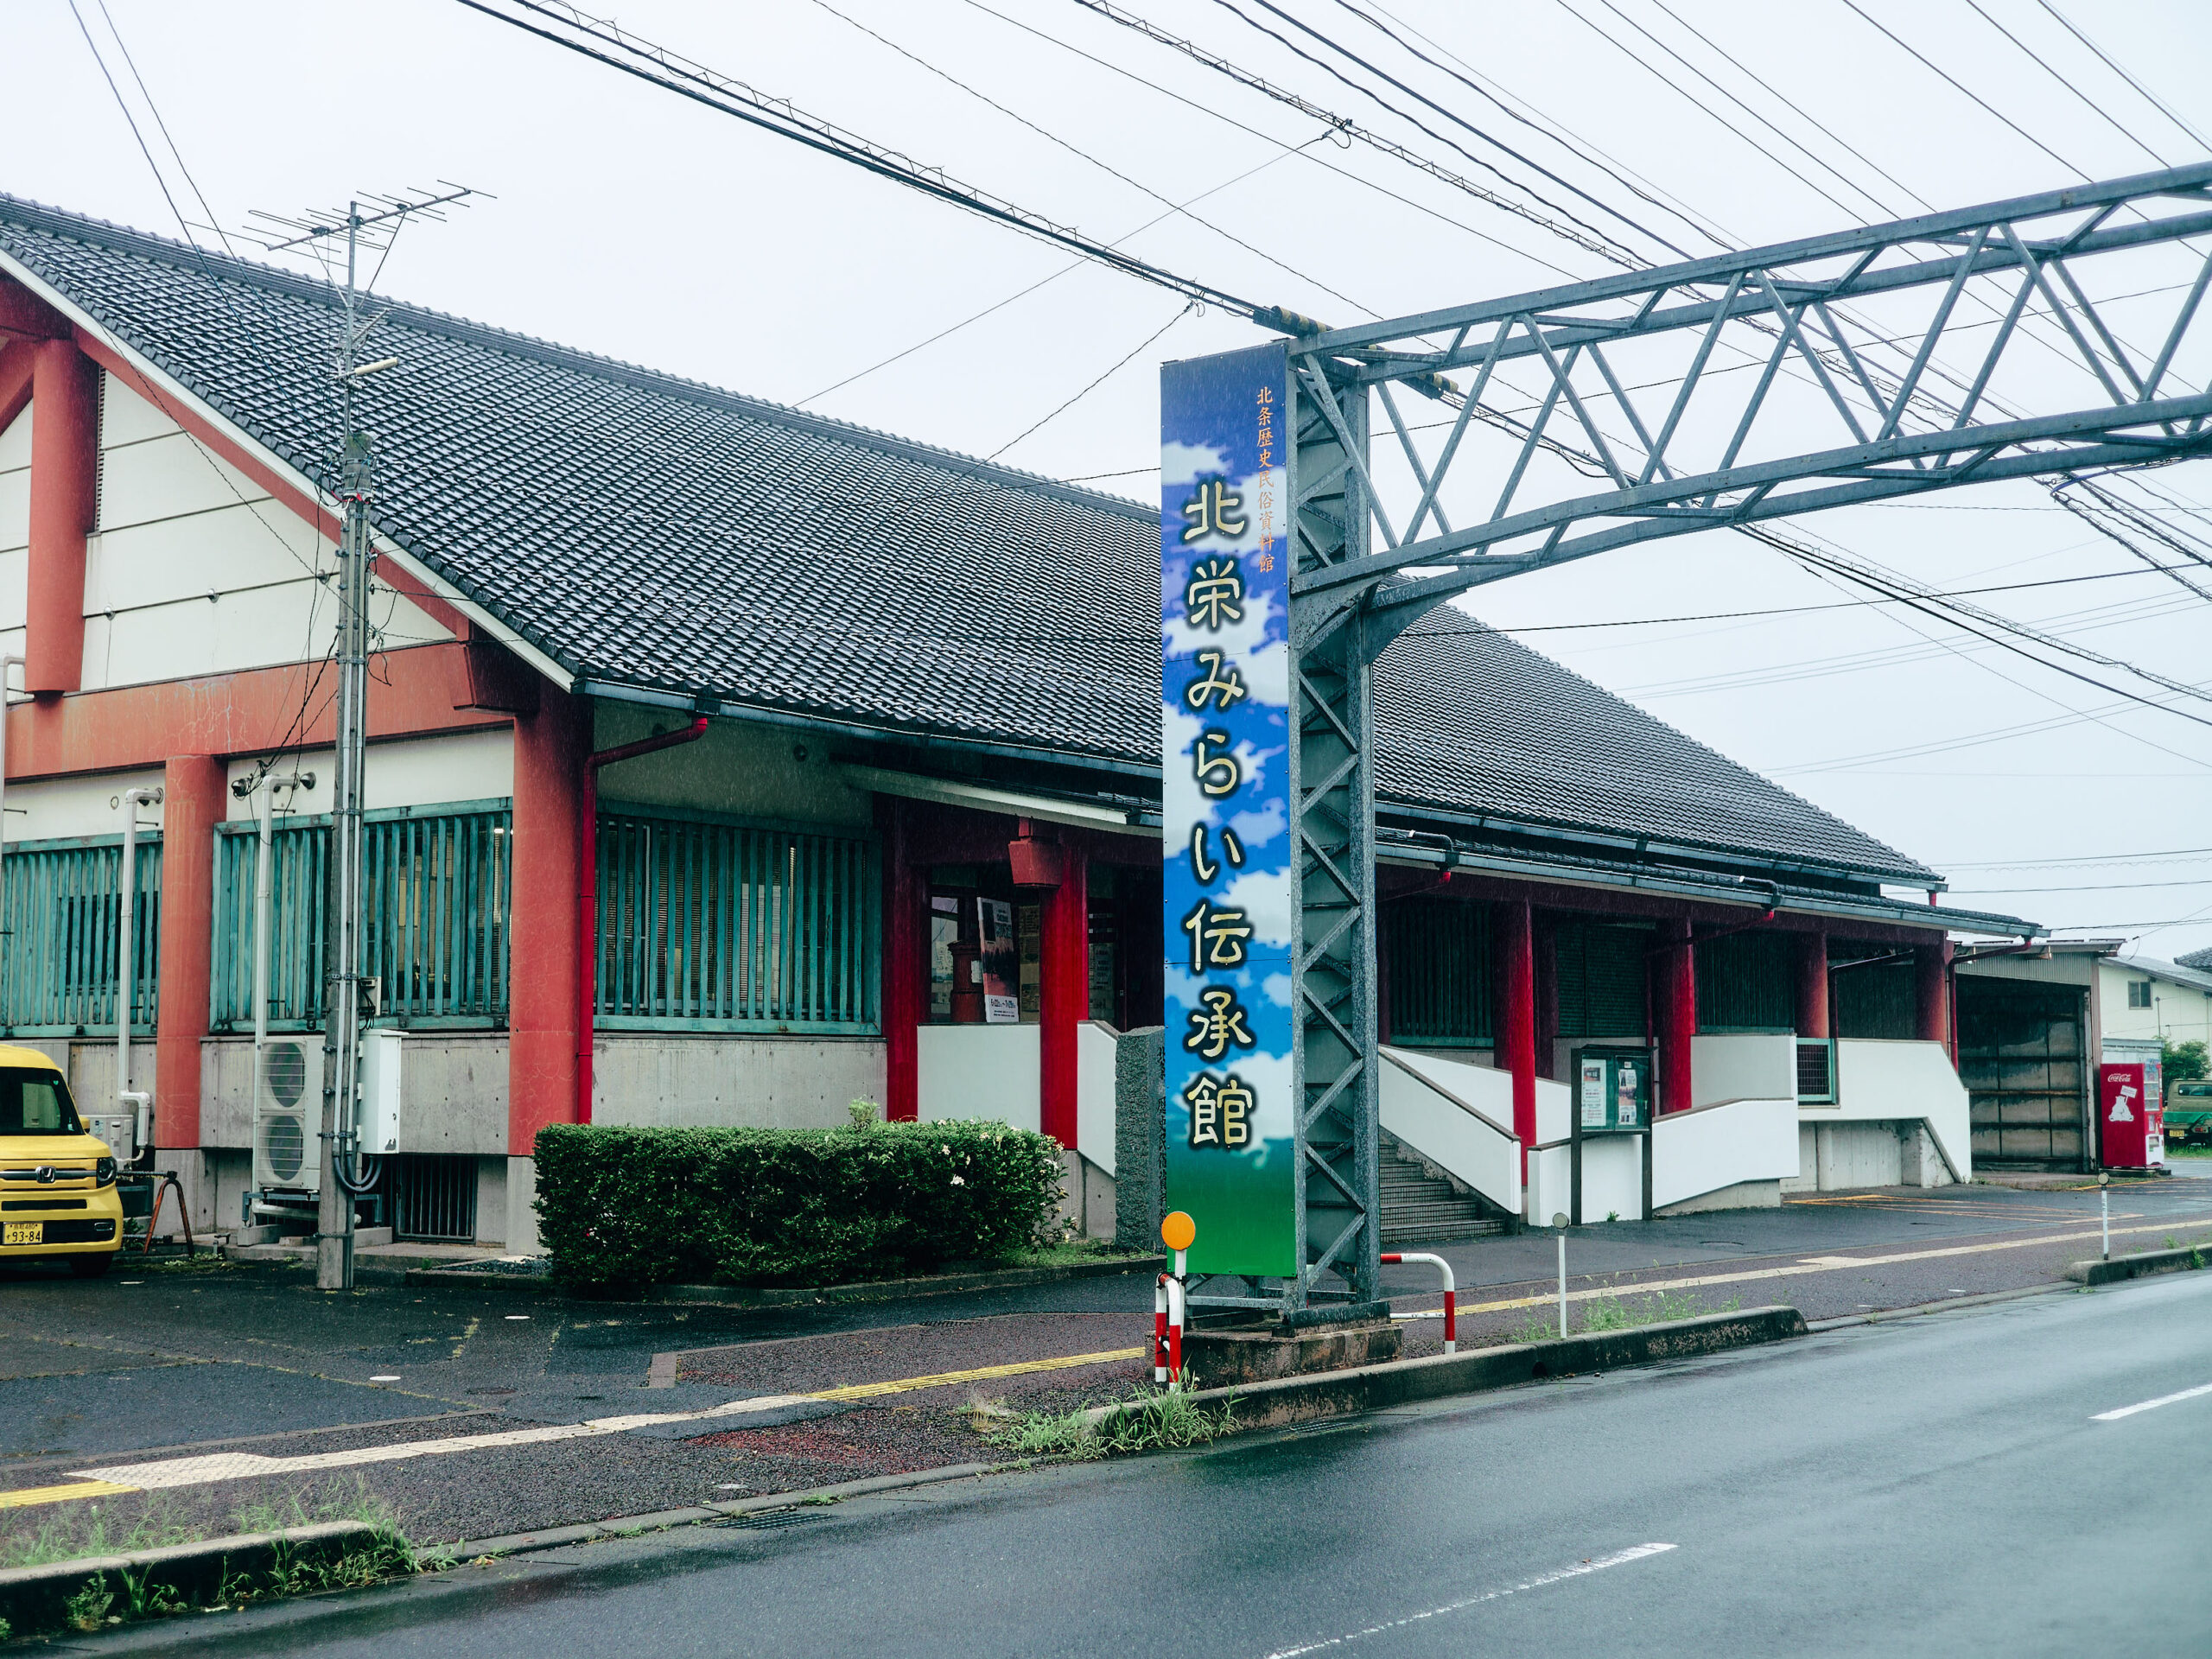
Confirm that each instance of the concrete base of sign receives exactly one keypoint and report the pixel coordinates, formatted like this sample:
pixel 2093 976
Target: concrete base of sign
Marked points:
pixel 1233 1357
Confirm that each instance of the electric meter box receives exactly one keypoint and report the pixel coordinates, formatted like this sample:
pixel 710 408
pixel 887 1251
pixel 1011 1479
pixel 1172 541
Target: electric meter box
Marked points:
pixel 382 1090
pixel 1612 1090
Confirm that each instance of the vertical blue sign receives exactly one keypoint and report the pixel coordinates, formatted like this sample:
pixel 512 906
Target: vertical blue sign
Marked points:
pixel 1226 563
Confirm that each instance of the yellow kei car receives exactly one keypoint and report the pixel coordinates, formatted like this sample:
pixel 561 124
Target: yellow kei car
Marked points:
pixel 57 1183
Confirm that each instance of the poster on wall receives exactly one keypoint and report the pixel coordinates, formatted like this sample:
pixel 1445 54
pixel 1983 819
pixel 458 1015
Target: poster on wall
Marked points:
pixel 999 958
pixel 1226 909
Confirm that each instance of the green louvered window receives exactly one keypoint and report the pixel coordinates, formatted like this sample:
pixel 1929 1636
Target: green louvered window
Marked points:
pixel 1747 982
pixel 708 924
pixel 435 883
pixel 1600 973
pixel 1438 968
pixel 57 957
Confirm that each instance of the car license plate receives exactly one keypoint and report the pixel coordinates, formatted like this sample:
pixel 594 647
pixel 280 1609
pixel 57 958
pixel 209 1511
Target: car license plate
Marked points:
pixel 23 1232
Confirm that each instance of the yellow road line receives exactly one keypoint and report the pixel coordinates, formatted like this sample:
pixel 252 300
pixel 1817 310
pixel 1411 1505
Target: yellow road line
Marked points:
pixel 24 1498
pixel 1809 1265
pixel 1022 1368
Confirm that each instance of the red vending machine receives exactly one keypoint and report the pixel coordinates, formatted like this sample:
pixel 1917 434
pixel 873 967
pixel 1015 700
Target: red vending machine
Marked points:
pixel 2131 1112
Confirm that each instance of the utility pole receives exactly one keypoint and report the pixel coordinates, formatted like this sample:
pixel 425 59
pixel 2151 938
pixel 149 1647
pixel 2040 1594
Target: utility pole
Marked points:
pixel 344 1179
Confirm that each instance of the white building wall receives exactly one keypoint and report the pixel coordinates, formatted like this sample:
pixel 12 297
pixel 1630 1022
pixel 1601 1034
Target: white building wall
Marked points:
pixel 53 809
pixel 2178 1014
pixel 401 772
pixel 192 567
pixel 14 530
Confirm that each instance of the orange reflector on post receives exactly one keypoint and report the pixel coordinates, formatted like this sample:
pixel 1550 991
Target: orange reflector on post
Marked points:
pixel 1177 1230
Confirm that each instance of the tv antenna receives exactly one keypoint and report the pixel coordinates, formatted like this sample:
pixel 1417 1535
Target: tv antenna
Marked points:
pixel 370 223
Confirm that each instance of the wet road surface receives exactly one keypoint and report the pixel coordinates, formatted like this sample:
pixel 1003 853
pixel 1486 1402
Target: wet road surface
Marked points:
pixel 1940 1485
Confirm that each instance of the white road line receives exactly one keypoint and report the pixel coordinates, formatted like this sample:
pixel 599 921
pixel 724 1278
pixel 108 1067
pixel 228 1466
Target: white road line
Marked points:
pixel 1579 1570
pixel 2151 1405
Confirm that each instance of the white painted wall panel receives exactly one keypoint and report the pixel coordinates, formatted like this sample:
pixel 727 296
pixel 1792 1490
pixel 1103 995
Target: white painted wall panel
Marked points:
pixel 14 587
pixel 125 417
pixel 16 442
pixel 1902 1080
pixel 408 771
pixel 1452 1129
pixel 256 628
pixel 16 509
pixel 58 807
pixel 201 553
pixel 788 1082
pixel 980 1071
pixel 1704 1150
pixel 1094 1045
pixel 163 478
pixel 1742 1066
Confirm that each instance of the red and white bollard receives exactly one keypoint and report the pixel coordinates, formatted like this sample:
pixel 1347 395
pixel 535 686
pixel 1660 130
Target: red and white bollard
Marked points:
pixel 1170 1302
pixel 1451 1302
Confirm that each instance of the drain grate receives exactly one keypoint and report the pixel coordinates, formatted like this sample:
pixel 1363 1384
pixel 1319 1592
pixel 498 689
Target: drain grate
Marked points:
pixel 765 1519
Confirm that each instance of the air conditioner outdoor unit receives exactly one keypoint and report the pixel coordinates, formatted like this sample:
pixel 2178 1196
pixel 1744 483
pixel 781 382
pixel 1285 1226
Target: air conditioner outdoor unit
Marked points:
pixel 287 1116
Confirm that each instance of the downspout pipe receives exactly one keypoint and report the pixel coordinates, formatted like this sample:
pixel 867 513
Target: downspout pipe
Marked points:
pixel 588 894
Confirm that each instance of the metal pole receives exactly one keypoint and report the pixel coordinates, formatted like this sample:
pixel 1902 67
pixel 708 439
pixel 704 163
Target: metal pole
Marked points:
pixel 1562 1282
pixel 263 857
pixel 126 990
pixel 2104 1212
pixel 6 663
pixel 342 1043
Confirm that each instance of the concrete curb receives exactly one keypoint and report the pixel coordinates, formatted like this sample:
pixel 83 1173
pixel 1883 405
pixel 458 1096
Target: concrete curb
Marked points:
pixel 881 1290
pixel 1432 1376
pixel 35 1600
pixel 2185 1260
pixel 629 1525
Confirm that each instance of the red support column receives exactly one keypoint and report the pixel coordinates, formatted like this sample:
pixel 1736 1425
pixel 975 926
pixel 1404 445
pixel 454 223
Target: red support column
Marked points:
pixel 1812 985
pixel 1931 965
pixel 905 991
pixel 193 791
pixel 545 932
pixel 65 459
pixel 1516 959
pixel 1063 998
pixel 1677 965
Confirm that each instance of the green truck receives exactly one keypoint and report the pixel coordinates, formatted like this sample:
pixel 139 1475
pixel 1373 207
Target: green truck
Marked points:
pixel 2189 1112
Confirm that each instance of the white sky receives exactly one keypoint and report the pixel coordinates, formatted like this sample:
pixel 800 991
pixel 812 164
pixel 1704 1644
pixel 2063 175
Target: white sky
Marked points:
pixel 631 223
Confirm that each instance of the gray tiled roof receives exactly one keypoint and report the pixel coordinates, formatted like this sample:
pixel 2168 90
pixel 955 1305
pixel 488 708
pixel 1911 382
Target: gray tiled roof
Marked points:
pixel 646 530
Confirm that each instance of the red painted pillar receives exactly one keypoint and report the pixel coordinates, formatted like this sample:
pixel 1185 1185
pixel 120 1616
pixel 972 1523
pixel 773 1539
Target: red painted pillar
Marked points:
pixel 1677 965
pixel 1515 955
pixel 1931 966
pixel 1813 985
pixel 905 944
pixel 193 791
pixel 1063 998
pixel 545 932
pixel 65 460
pixel 1546 939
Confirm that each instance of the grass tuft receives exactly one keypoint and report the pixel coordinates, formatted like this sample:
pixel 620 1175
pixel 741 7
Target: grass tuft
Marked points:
pixel 1149 1421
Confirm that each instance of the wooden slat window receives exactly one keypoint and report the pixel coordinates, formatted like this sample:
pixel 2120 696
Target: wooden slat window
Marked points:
pixel 1747 982
pixel 1602 972
pixel 62 912
pixel 1440 972
pixel 712 924
pixel 435 882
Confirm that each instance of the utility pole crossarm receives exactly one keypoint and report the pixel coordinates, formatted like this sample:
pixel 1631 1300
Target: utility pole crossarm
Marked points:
pixel 1789 378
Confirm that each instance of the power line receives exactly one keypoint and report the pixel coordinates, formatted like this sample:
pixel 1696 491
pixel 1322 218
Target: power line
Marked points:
pixel 2148 96
pixel 1140 346
pixel 1348 128
pixel 2175 854
pixel 2094 107
pixel 1083 154
pixel 636 57
pixel 2093 886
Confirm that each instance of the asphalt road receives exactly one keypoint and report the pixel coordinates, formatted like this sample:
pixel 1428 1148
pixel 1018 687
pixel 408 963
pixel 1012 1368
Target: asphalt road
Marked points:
pixel 1936 1484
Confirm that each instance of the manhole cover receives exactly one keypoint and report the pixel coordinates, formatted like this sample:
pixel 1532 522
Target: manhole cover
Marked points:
pixel 764 1520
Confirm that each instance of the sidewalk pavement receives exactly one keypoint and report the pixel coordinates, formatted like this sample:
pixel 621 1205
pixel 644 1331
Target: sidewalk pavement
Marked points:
pixel 474 1414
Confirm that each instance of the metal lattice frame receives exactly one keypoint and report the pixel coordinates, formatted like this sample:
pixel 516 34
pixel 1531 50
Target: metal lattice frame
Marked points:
pixel 1691 458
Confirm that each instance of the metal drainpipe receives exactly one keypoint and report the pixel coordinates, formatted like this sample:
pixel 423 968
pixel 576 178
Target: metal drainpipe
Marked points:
pixel 126 967
pixel 587 895
pixel 6 663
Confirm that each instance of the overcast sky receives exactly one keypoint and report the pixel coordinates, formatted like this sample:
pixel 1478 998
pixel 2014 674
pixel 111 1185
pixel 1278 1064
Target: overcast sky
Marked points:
pixel 630 222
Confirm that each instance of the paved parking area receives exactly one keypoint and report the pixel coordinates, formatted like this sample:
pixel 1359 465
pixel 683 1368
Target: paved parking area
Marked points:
pixel 473 1413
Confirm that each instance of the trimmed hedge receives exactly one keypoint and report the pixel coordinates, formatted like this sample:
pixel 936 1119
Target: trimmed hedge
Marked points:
pixel 738 1206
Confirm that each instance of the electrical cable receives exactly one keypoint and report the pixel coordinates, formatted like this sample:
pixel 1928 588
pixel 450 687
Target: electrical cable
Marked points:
pixel 2094 107
pixel 1458 120
pixel 656 67
pixel 1349 128
pixel 1054 138
pixel 2147 95
pixel 2173 853
pixel 1140 346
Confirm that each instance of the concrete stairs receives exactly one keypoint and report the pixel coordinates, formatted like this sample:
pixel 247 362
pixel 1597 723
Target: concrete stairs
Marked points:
pixel 1423 1205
